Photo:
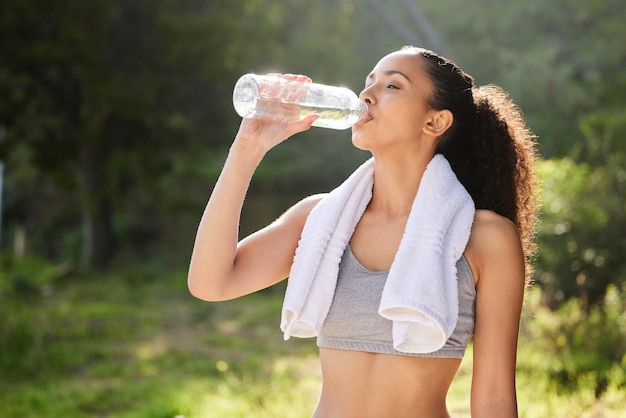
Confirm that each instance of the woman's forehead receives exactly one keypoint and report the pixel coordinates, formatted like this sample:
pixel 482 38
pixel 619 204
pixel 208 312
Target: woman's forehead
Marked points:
pixel 407 63
pixel 407 60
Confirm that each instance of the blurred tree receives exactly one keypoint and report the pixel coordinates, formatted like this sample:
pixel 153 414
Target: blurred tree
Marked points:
pixel 560 60
pixel 119 113
pixel 418 31
pixel 564 63
pixel 124 103
pixel 96 92
pixel 582 236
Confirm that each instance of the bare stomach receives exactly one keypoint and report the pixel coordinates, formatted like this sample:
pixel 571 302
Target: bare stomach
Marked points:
pixel 368 385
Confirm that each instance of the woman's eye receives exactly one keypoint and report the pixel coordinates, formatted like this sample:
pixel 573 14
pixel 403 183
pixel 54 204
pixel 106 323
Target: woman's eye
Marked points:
pixel 389 86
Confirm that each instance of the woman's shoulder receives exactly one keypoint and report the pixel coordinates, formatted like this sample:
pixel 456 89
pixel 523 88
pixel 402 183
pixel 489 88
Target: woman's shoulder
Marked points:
pixel 312 200
pixel 306 205
pixel 493 233
pixel 299 212
pixel 494 241
pixel 488 224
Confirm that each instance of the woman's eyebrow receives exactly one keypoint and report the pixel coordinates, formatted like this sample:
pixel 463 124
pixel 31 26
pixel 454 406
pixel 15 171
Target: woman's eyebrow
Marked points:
pixel 391 72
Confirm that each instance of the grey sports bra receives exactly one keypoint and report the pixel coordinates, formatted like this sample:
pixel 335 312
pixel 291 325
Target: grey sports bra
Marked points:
pixel 353 322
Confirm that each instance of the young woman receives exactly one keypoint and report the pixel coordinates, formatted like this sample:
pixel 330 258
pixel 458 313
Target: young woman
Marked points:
pixel 420 105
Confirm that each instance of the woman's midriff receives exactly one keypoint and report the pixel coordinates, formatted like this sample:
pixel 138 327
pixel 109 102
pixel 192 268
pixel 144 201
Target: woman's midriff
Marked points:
pixel 368 385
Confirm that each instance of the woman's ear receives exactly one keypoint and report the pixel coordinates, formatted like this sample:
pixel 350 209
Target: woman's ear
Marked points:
pixel 439 122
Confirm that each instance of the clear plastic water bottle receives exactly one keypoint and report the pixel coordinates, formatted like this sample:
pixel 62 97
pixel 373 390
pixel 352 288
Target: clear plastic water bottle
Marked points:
pixel 275 98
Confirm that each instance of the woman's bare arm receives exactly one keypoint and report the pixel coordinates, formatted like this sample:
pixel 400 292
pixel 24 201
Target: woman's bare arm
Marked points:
pixel 498 261
pixel 220 267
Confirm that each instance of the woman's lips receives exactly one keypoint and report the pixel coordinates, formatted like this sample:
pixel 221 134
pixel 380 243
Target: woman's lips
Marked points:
pixel 364 119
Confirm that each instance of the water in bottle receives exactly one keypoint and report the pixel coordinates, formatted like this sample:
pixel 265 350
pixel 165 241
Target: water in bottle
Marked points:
pixel 275 98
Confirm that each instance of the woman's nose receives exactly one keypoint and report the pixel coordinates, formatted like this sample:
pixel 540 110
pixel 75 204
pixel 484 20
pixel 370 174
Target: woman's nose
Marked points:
pixel 366 95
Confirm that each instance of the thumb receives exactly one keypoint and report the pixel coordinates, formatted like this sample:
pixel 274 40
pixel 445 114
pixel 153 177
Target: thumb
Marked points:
pixel 302 125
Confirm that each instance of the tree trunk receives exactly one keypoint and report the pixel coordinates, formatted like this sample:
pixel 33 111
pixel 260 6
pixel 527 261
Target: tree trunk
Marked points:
pixel 97 247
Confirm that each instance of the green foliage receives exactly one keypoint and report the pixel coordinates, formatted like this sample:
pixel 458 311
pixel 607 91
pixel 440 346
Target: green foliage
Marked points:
pixel 583 229
pixel 580 348
pixel 24 282
pixel 25 277
pixel 136 344
pixel 115 117
pixel 99 99
pixel 605 130
pixel 561 60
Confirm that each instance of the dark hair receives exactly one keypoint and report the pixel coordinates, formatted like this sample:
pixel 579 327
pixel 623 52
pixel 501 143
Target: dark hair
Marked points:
pixel 489 146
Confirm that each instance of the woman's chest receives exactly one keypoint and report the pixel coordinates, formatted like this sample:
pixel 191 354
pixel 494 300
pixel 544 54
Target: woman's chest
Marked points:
pixel 375 241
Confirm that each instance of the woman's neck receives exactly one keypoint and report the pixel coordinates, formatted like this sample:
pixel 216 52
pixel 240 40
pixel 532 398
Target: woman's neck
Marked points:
pixel 396 182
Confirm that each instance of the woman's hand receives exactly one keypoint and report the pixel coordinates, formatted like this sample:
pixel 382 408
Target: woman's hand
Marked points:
pixel 267 133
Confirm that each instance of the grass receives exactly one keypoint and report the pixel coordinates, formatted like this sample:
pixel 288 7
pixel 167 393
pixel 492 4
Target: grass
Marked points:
pixel 138 345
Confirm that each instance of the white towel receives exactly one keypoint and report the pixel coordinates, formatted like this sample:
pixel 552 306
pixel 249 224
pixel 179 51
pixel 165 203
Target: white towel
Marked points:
pixel 420 296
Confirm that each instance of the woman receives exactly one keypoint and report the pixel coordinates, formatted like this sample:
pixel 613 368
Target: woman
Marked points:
pixel 420 105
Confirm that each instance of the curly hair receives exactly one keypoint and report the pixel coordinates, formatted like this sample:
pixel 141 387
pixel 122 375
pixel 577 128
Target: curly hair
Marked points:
pixel 489 147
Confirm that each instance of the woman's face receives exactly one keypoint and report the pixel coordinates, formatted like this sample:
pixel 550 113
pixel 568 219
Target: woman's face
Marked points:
pixel 397 92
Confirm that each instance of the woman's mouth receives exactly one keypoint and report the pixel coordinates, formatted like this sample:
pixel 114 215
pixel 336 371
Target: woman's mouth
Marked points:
pixel 365 117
